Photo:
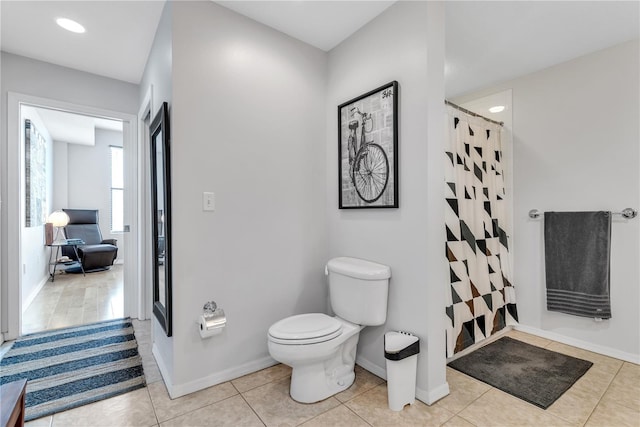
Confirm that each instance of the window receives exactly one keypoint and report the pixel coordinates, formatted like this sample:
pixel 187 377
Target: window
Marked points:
pixel 117 189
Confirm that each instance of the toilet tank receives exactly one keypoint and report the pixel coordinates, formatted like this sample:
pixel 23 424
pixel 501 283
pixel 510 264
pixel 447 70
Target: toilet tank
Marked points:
pixel 358 290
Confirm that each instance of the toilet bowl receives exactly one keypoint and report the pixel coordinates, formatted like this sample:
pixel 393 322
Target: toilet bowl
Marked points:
pixel 321 349
pixel 322 358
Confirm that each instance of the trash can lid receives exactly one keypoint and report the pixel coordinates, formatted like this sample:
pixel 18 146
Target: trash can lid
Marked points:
pixel 400 345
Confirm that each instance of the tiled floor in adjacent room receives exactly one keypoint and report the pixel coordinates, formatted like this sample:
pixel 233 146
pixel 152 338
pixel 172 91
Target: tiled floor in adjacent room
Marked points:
pixel 74 299
pixel 607 395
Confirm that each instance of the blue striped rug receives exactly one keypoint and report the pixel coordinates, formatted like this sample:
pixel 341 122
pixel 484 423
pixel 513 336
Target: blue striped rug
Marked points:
pixel 71 367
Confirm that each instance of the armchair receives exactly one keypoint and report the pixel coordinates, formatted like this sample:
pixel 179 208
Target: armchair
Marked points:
pixel 96 254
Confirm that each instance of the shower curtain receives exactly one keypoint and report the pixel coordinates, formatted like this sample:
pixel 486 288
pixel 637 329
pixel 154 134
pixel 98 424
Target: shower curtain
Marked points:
pixel 482 298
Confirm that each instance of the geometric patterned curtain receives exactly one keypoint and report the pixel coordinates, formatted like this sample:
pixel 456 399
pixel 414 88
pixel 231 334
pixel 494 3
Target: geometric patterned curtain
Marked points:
pixel 482 298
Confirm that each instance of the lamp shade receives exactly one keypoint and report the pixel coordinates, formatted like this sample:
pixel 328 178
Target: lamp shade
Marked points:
pixel 58 219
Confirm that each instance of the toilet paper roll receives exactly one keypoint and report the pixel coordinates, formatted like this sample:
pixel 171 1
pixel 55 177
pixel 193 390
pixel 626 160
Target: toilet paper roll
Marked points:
pixel 211 325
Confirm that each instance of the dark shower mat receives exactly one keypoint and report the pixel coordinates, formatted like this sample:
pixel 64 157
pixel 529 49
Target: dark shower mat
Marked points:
pixel 530 373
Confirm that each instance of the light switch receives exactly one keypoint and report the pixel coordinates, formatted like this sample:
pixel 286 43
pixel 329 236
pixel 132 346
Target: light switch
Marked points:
pixel 208 201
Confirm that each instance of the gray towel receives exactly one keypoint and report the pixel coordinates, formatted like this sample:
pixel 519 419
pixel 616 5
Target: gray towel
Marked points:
pixel 577 248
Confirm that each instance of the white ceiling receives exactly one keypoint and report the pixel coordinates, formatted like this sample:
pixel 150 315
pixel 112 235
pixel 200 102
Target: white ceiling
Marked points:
pixel 116 44
pixel 74 128
pixel 492 41
pixel 487 41
pixel 323 24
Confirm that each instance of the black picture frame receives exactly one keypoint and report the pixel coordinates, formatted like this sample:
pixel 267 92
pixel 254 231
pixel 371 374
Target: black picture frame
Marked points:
pixel 161 217
pixel 368 173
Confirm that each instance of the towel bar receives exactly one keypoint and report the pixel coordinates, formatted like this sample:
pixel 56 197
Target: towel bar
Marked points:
pixel 628 213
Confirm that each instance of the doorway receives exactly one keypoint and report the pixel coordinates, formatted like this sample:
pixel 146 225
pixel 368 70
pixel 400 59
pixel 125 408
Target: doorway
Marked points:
pixel 71 161
pixel 16 214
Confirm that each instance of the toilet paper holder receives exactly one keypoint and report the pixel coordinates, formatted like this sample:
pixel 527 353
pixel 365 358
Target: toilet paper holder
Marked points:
pixel 212 321
pixel 209 307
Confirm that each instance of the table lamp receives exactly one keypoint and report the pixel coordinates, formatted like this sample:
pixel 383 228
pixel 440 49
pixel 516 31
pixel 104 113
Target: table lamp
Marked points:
pixel 58 219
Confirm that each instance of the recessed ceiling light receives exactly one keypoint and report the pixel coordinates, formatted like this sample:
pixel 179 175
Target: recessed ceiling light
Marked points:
pixel 70 25
pixel 497 109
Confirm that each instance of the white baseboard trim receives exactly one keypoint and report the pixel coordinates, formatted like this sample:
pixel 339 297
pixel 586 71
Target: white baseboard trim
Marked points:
pixel 424 396
pixel 220 377
pixel 372 367
pixel 162 367
pixel 27 301
pixel 606 351
pixel 432 397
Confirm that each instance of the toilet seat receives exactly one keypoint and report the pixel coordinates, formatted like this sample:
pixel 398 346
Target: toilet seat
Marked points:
pixel 305 329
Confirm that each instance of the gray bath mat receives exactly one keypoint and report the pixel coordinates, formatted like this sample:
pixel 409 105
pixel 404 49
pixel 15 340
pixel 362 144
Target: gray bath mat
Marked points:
pixel 530 373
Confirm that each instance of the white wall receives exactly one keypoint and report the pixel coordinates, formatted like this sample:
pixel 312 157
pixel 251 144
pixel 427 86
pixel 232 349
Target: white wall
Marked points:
pixel 3 233
pixel 158 76
pixel 247 123
pixel 576 148
pixel 60 175
pixel 251 121
pixel 32 77
pixel 158 71
pixel 89 179
pixel 35 255
pixel 576 133
pixel 27 76
pixel 405 43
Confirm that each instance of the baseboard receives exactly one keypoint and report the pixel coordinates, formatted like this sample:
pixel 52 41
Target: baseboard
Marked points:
pixel 372 367
pixel 424 396
pixel 162 367
pixel 27 301
pixel 220 377
pixel 432 397
pixel 606 351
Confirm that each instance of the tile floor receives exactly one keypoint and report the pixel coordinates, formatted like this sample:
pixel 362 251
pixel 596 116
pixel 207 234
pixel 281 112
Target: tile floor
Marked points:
pixel 74 299
pixel 607 395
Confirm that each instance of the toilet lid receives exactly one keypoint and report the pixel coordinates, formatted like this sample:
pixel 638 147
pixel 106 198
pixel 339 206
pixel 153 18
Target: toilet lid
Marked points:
pixel 305 329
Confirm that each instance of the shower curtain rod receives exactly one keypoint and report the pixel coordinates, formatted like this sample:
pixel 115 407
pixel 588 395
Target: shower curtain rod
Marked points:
pixel 464 110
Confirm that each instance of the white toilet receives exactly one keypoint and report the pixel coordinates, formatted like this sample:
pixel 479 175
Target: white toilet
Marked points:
pixel 322 349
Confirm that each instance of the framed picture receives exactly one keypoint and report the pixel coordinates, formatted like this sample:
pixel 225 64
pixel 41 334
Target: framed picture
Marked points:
pixel 35 169
pixel 368 150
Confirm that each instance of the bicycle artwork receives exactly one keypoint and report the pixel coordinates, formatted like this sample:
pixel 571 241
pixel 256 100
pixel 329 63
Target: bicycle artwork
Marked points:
pixel 368 145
